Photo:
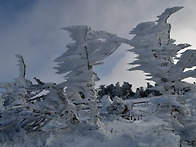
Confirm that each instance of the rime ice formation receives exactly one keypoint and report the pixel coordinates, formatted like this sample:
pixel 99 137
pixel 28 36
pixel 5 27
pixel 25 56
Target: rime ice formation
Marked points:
pixel 157 51
pixel 89 49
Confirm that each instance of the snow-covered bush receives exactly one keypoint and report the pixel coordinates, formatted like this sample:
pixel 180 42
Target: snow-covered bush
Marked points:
pixel 115 108
pixel 27 107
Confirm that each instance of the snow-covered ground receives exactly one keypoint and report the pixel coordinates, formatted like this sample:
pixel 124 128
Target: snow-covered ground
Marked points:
pixel 147 132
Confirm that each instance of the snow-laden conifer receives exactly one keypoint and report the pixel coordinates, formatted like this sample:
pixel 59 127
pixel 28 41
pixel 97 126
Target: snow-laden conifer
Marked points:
pixel 156 54
pixel 157 51
pixel 89 49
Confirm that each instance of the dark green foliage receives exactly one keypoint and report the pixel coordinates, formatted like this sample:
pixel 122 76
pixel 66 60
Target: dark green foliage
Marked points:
pixel 125 91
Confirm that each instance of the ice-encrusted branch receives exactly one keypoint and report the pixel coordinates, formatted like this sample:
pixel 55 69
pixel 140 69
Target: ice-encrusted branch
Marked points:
pixel 21 65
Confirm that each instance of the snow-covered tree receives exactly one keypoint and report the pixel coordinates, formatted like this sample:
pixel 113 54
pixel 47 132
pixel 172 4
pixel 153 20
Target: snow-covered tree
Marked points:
pixel 89 49
pixel 157 51
pixel 156 54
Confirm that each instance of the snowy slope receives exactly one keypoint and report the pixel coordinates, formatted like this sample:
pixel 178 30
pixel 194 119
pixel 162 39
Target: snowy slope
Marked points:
pixel 147 132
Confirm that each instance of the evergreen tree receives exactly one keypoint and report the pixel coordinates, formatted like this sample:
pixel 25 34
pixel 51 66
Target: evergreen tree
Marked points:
pixel 89 49
pixel 156 53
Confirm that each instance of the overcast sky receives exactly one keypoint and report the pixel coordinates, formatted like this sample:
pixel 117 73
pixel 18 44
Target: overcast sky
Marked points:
pixel 32 28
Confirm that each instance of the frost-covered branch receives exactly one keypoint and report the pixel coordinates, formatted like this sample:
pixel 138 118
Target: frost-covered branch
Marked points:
pixel 21 65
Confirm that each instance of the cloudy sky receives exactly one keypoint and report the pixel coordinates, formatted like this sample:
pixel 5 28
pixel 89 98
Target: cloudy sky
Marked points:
pixel 32 28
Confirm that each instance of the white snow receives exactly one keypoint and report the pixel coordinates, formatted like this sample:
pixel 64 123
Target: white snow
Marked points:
pixel 147 132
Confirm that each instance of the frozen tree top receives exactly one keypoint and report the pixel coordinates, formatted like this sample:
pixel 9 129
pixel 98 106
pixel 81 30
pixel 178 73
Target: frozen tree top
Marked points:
pixel 167 13
pixel 94 45
pixel 21 65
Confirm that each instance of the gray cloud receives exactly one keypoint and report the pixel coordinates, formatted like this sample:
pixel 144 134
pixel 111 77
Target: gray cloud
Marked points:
pixel 35 32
